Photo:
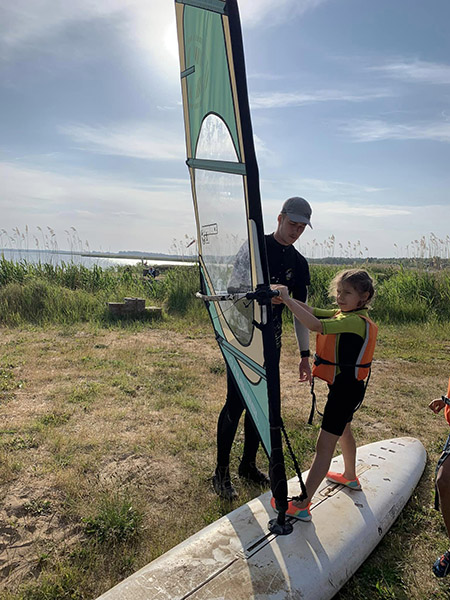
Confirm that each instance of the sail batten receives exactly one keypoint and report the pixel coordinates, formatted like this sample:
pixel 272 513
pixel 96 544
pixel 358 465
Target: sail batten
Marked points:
pixel 217 165
pixel 187 72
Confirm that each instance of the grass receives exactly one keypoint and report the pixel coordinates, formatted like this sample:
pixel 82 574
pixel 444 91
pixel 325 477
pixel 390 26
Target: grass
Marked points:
pixel 105 424
pixel 116 519
pixel 111 426
pixel 68 294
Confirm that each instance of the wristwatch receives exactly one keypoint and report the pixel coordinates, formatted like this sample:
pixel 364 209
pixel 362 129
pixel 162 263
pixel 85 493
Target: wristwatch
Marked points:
pixel 305 353
pixel 445 400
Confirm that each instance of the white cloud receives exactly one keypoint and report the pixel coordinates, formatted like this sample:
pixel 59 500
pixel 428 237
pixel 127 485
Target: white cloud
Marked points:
pixel 268 12
pixel 385 230
pixel 97 207
pixel 43 26
pixel 336 188
pixel 30 25
pixel 372 211
pixel 138 140
pixel 416 71
pixel 351 194
pixel 263 152
pixel 351 212
pixel 290 99
pixel 377 130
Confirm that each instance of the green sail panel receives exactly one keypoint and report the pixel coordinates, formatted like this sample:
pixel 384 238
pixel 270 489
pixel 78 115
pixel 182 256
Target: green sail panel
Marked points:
pixel 208 83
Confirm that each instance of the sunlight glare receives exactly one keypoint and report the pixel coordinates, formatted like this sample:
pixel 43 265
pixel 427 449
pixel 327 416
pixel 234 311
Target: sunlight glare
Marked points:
pixel 171 41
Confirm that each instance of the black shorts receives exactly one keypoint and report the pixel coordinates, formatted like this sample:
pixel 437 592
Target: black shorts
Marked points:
pixel 344 398
pixel 445 454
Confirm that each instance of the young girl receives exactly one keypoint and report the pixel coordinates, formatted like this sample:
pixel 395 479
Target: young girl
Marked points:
pixel 344 351
pixel 441 567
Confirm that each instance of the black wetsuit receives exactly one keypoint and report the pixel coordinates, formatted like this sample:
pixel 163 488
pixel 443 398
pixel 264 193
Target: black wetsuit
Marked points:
pixel 288 267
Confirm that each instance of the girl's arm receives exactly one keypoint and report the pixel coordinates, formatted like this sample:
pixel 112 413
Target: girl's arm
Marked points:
pixel 310 309
pixel 304 314
pixel 302 311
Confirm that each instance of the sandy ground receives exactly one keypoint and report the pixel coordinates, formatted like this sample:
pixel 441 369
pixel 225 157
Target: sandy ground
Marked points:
pixel 34 519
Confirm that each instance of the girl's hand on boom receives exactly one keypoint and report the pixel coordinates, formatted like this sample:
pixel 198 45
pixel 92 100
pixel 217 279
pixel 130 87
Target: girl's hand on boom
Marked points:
pixel 284 293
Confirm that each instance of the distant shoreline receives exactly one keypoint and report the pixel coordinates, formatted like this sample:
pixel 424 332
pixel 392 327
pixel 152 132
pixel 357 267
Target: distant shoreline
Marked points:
pixel 126 255
pixel 435 262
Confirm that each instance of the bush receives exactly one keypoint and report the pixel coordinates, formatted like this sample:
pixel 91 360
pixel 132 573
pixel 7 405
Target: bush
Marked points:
pixel 413 296
pixel 70 293
pixel 180 287
pixel 40 302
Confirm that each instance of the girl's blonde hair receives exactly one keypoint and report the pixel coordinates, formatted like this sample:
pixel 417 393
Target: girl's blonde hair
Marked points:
pixel 358 279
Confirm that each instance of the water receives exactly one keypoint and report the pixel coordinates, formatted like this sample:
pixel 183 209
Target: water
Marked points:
pixel 57 258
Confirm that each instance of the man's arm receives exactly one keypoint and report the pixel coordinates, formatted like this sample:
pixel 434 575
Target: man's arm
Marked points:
pixel 300 293
pixel 240 276
pixel 302 335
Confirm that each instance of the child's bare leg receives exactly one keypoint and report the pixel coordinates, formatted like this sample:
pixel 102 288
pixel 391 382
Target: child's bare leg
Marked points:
pixel 326 443
pixel 348 446
pixel 443 486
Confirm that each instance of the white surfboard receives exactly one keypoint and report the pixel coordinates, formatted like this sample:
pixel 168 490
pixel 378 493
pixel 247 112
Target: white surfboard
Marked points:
pixel 237 558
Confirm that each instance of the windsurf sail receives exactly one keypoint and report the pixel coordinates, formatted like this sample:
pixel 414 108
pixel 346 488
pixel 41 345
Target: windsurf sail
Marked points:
pixel 225 189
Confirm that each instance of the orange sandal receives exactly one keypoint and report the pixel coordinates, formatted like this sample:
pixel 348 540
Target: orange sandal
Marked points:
pixel 353 484
pixel 301 514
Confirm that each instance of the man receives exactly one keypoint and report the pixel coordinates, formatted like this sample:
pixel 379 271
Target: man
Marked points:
pixel 288 267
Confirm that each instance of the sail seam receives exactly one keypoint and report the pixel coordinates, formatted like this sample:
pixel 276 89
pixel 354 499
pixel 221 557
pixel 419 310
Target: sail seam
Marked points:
pixel 242 357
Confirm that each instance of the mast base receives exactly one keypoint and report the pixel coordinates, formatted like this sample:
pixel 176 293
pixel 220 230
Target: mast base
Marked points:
pixel 280 528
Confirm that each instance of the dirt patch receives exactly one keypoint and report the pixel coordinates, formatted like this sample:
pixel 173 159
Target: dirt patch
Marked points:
pixel 160 478
pixel 55 444
pixel 31 524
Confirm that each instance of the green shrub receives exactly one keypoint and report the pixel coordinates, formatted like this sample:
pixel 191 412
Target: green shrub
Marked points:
pixel 70 293
pixel 180 287
pixel 116 521
pixel 321 276
pixel 411 296
pixel 40 302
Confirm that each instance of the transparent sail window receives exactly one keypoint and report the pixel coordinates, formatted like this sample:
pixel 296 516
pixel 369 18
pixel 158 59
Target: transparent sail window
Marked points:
pixel 214 141
pixel 223 227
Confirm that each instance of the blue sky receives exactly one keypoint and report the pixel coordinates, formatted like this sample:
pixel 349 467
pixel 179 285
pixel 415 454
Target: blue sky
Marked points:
pixel 350 104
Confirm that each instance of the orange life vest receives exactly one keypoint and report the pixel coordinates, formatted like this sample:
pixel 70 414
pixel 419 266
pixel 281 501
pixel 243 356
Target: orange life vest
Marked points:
pixel 325 364
pixel 447 407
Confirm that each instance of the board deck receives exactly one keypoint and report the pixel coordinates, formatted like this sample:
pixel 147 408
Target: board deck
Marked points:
pixel 237 558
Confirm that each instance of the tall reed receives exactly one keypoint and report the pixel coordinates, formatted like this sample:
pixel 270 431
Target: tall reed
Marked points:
pixel 70 293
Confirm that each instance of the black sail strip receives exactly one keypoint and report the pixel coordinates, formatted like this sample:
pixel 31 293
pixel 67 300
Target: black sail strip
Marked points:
pixel 277 467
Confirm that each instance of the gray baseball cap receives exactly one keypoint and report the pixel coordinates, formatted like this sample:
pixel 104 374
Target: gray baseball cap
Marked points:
pixel 298 210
